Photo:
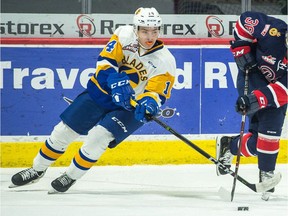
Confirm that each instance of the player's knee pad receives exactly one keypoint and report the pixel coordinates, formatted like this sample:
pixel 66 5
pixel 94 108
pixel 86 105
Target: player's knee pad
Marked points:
pixel 61 136
pixel 96 142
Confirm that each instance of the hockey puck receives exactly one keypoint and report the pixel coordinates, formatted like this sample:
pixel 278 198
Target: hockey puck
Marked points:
pixel 243 208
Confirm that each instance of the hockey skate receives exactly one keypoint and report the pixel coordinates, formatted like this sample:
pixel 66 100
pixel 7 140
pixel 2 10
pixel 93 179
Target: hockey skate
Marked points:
pixel 264 176
pixel 223 154
pixel 27 176
pixel 61 184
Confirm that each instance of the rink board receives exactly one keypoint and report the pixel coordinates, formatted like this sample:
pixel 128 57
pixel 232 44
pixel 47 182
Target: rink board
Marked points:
pixel 128 153
pixel 35 79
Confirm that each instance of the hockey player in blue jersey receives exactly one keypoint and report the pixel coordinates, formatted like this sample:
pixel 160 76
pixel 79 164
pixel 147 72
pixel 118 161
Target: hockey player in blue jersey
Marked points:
pixel 134 64
pixel 259 47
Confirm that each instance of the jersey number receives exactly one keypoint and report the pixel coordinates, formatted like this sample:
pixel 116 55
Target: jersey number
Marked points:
pixel 110 46
pixel 167 88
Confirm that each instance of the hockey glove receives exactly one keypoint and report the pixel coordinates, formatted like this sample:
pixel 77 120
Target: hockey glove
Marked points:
pixel 251 103
pixel 243 57
pixel 146 105
pixel 121 90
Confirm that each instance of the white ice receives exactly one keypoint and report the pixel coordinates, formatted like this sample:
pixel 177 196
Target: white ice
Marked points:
pixel 169 190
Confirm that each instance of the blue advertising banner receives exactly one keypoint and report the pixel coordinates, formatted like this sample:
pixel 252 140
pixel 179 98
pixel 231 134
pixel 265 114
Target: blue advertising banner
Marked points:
pixel 34 80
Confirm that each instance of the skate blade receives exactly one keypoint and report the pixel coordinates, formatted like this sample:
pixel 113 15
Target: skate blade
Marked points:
pixel 53 191
pixel 217 170
pixel 13 186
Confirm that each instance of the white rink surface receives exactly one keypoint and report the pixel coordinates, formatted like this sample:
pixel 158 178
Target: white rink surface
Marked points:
pixel 176 190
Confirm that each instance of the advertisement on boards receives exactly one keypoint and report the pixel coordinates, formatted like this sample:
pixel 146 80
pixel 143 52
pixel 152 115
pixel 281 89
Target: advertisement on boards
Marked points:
pixel 103 25
pixel 34 80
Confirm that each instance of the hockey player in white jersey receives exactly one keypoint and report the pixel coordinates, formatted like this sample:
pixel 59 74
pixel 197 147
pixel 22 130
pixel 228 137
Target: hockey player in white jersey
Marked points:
pixel 134 64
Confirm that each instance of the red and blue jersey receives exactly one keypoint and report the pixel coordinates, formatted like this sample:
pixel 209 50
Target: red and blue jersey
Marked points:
pixel 268 33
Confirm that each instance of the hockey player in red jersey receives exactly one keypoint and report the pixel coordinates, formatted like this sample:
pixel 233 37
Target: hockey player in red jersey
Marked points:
pixel 134 64
pixel 259 47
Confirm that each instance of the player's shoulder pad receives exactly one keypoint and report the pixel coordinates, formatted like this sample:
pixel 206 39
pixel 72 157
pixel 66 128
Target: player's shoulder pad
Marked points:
pixel 125 34
pixel 124 31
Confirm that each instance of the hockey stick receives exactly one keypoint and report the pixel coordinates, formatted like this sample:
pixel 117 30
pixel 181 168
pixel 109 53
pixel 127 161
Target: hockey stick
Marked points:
pixel 240 138
pixel 259 187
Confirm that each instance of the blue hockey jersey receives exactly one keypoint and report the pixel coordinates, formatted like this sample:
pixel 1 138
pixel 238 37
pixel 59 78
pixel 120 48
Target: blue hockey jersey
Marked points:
pixel 268 33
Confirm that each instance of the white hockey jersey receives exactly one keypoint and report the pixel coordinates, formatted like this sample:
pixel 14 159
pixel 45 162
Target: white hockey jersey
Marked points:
pixel 150 73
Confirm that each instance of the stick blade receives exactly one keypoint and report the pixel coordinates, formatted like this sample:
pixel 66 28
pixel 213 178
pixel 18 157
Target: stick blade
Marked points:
pixel 268 184
pixel 224 194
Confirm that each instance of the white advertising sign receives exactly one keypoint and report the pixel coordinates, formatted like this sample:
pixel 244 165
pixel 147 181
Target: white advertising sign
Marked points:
pixel 103 25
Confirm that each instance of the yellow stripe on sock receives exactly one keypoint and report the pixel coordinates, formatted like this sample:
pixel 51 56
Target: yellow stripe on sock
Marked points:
pixel 50 153
pixel 82 162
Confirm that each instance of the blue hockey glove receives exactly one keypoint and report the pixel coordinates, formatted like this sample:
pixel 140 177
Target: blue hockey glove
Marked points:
pixel 121 90
pixel 146 105
pixel 243 56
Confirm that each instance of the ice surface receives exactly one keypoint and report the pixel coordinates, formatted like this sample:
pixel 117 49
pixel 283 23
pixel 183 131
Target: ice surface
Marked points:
pixel 174 190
